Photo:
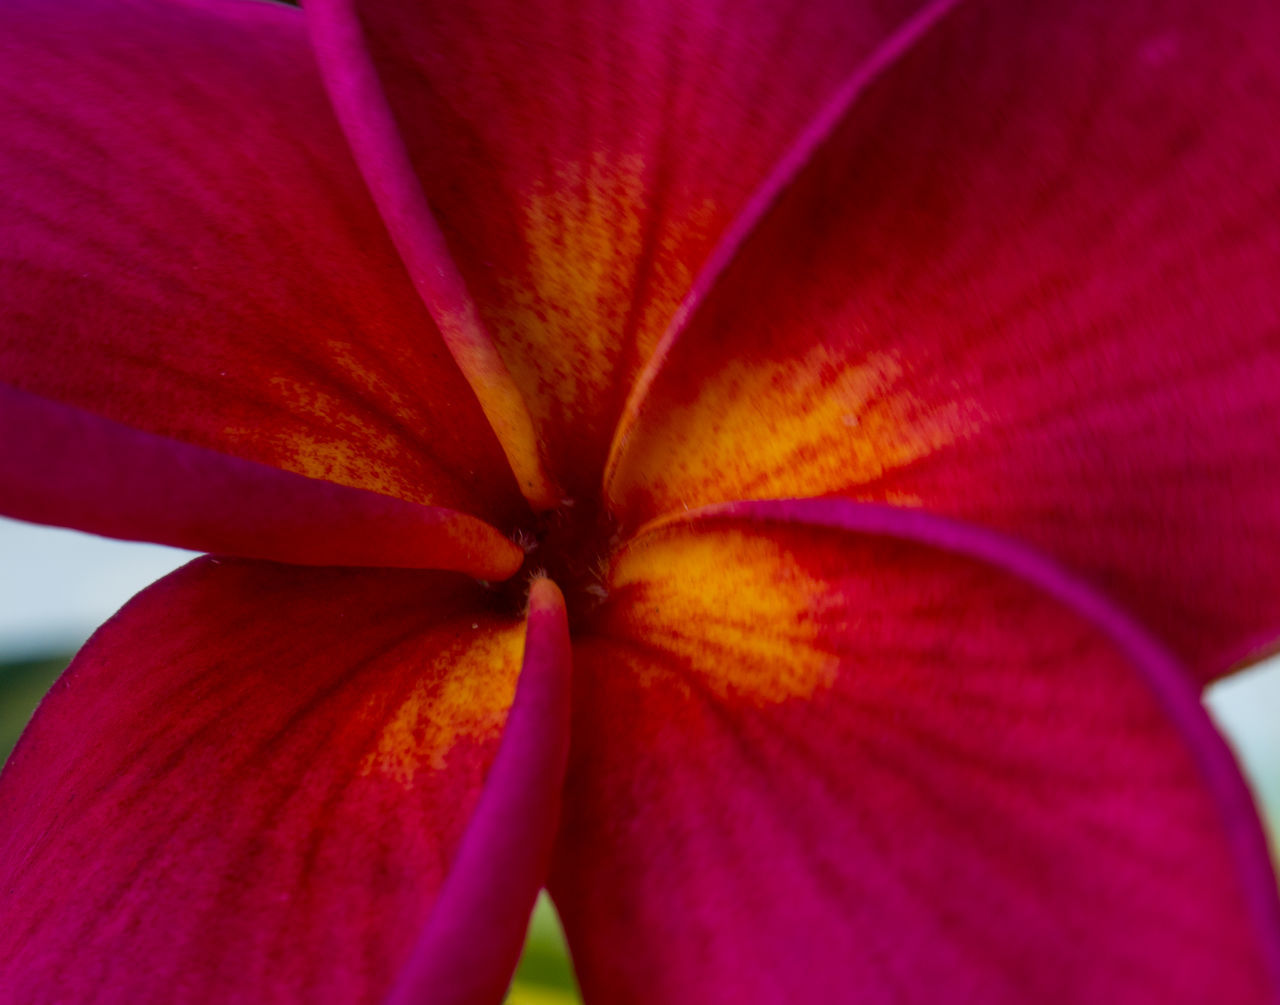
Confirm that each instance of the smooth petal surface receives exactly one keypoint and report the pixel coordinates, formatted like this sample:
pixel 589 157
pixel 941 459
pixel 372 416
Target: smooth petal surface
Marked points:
pixel 252 782
pixel 581 160
pixel 62 465
pixel 826 751
pixel 187 248
pixel 1030 280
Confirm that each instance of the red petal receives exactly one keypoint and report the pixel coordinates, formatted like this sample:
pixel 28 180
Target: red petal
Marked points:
pixel 187 248
pixel 581 160
pixel 830 752
pixel 60 465
pixel 1029 280
pixel 251 784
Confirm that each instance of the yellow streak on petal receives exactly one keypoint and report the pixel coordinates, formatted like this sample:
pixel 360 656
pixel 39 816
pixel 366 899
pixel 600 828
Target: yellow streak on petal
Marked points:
pixel 504 406
pixel 735 609
pixel 333 458
pixel 584 231
pixel 762 428
pixel 464 693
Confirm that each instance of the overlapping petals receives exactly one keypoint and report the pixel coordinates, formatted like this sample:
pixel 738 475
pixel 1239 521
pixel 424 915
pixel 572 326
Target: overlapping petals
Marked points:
pixel 187 248
pixel 827 752
pixel 244 808
pixel 581 160
pixel 467 952
pixel 371 284
pixel 1029 279
pixel 65 466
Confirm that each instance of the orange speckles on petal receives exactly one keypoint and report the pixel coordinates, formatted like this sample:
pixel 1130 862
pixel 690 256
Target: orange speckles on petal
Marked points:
pixel 773 428
pixel 463 694
pixel 583 234
pixel 338 444
pixel 735 611
pixel 592 297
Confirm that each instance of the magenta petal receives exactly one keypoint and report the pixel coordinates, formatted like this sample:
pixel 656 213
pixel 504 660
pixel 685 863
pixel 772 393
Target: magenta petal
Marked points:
pixel 253 782
pixel 60 465
pixel 187 248
pixel 581 159
pixel 470 947
pixel 357 98
pixel 826 751
pixel 1029 279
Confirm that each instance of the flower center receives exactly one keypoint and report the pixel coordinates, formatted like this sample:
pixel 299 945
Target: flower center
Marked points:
pixel 571 545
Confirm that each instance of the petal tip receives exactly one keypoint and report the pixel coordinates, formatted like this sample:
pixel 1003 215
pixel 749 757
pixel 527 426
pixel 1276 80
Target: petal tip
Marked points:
pixel 545 597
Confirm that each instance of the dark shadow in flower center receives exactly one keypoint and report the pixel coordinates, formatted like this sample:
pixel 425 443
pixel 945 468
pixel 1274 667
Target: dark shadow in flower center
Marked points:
pixel 571 545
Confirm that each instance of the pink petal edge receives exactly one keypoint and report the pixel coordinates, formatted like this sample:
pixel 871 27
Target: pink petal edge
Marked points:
pixel 64 466
pixel 249 786
pixel 757 206
pixel 367 120
pixel 187 247
pixel 472 941
pixel 1170 682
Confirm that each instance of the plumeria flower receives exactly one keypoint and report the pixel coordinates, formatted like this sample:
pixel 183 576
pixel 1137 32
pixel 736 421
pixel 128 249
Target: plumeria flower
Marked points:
pixel 777 474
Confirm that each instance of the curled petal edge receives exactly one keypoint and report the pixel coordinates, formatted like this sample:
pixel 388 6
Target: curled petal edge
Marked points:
pixel 469 948
pixel 1171 683
pixel 64 466
pixel 362 109
pixel 787 169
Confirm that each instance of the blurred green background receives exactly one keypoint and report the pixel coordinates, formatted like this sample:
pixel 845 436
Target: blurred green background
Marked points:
pixel 56 586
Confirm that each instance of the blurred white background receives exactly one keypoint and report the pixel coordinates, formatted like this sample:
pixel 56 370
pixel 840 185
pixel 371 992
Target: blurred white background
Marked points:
pixel 57 586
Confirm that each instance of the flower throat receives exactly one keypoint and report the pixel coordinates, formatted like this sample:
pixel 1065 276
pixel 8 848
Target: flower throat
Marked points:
pixel 571 545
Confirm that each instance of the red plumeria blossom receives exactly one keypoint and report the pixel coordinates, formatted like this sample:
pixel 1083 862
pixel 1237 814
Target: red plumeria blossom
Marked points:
pixel 777 474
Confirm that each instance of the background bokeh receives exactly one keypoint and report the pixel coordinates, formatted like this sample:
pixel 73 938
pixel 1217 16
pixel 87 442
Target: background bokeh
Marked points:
pixel 56 586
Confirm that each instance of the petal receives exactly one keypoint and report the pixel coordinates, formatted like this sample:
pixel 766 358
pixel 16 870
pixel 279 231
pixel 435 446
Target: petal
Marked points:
pixel 64 466
pixel 470 948
pixel 187 248
pixel 252 782
pixel 1029 280
pixel 577 161
pixel 828 751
